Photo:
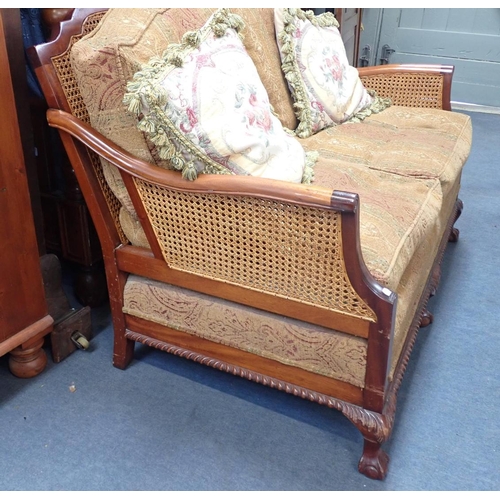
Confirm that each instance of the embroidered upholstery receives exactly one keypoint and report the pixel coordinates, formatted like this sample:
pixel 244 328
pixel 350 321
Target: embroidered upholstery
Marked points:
pixel 413 142
pixel 316 349
pixel 325 88
pixel 204 107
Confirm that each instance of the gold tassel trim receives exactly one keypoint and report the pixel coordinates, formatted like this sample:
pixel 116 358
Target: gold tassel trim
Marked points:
pixel 147 101
pixel 290 66
pixel 378 104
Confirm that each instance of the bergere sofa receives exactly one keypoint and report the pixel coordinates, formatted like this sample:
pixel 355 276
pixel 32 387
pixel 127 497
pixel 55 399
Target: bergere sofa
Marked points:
pixel 263 207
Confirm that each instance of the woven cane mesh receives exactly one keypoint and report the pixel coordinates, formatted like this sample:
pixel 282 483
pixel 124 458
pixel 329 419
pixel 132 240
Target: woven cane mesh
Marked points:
pixel 62 65
pixel 414 90
pixel 112 201
pixel 77 108
pixel 282 249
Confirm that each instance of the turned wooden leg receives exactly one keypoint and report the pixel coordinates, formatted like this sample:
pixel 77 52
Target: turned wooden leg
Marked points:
pixel 426 319
pixel 27 363
pixel 374 461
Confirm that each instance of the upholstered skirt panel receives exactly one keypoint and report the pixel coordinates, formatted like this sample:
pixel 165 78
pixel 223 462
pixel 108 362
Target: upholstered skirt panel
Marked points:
pixel 295 343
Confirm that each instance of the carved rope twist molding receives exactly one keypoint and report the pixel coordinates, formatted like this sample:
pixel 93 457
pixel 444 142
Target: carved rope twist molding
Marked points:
pixel 371 424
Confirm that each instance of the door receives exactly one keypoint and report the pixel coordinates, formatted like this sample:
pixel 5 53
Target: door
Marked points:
pixel 467 38
pixel 350 20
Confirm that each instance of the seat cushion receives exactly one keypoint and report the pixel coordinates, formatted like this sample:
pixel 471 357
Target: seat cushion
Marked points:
pixel 294 343
pixel 412 142
pixel 397 214
pixel 414 280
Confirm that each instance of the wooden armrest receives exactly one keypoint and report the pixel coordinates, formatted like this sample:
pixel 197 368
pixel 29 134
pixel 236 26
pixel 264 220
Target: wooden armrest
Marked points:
pixel 413 85
pixel 296 244
pixel 301 194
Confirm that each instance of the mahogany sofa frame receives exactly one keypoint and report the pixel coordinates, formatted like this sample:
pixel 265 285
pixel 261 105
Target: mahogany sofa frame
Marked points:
pixel 372 408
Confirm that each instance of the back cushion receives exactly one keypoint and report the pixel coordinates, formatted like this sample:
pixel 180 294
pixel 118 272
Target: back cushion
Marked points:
pixel 106 59
pixel 260 42
pixel 103 62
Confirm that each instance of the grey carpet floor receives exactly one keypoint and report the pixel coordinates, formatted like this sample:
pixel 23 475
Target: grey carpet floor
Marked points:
pixel 169 424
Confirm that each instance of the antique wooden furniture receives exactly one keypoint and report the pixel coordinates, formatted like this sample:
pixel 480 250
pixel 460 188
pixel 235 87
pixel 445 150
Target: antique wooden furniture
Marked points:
pixel 24 319
pixel 242 273
pixel 68 229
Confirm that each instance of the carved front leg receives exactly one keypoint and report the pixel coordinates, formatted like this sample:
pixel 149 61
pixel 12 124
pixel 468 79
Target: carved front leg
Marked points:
pixel 374 461
pixel 455 232
pixel 376 429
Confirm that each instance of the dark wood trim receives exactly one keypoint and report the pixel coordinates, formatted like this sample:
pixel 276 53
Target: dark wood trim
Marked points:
pixel 381 300
pixel 141 262
pixel 110 241
pixel 91 189
pixel 40 57
pixel 229 359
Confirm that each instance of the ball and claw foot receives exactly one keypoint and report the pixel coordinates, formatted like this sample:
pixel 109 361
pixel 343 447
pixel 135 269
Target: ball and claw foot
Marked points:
pixel 374 462
pixel 453 238
pixel 426 319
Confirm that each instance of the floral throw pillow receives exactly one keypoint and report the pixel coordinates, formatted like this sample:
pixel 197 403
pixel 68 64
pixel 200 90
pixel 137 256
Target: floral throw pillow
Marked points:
pixel 326 89
pixel 204 107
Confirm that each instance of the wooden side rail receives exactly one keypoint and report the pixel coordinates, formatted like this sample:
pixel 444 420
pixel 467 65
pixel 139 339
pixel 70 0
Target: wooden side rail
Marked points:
pixel 413 85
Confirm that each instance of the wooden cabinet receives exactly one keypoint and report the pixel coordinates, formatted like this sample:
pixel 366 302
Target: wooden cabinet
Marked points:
pixel 24 320
pixel 69 231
